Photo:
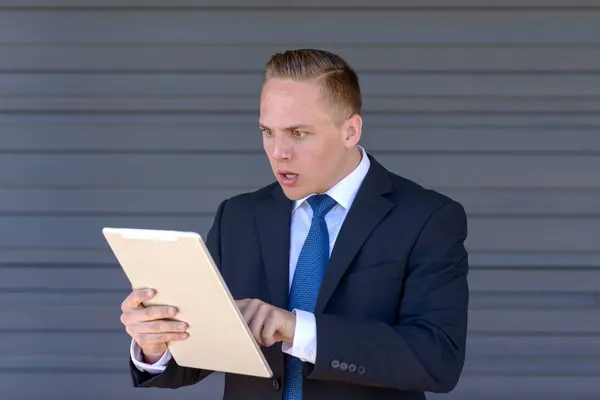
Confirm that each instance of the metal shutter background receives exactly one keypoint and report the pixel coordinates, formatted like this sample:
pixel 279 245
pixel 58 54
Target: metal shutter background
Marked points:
pixel 140 114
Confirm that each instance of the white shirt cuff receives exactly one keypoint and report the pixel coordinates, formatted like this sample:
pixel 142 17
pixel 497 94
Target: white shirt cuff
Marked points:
pixel 305 337
pixel 156 368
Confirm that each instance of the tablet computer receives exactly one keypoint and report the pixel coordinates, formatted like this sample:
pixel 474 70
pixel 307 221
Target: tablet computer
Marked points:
pixel 180 268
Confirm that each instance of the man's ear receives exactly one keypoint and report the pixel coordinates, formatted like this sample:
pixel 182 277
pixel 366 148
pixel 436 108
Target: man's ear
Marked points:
pixel 352 130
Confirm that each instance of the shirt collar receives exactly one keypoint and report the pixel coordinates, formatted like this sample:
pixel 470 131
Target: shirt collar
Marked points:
pixel 345 190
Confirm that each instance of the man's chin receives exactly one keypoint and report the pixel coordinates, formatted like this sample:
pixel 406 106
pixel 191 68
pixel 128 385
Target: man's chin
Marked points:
pixel 293 193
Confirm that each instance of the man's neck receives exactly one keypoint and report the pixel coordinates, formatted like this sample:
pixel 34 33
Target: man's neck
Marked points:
pixel 352 161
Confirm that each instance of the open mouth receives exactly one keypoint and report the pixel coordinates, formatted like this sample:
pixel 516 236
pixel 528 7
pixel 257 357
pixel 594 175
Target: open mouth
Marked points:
pixel 288 178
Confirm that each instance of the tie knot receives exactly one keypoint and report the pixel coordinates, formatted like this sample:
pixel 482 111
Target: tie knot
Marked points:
pixel 321 204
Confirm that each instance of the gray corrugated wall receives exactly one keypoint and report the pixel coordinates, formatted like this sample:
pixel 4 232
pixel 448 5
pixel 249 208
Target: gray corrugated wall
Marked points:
pixel 133 113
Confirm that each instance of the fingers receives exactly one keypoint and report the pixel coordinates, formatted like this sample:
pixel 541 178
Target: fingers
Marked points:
pixel 151 313
pixel 248 308
pixel 258 320
pixel 154 335
pixel 155 344
pixel 269 331
pixel 147 340
pixel 263 320
pixel 151 327
pixel 136 298
pixel 156 327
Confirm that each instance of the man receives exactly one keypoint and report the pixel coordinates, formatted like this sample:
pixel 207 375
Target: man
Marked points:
pixel 352 278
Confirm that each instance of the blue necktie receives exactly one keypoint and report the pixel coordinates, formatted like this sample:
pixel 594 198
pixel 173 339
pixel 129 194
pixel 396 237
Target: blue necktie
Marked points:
pixel 307 282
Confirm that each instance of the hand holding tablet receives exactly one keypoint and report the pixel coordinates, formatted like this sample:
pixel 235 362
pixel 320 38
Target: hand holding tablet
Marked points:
pixel 152 327
pixel 179 267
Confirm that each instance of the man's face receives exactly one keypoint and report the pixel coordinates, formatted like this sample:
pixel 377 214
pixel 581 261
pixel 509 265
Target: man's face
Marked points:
pixel 308 141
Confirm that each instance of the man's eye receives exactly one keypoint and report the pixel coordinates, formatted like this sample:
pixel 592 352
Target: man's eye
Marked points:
pixel 267 132
pixel 298 134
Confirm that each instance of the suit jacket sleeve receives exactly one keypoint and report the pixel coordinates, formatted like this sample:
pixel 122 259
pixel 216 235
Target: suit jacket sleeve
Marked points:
pixel 425 351
pixel 174 375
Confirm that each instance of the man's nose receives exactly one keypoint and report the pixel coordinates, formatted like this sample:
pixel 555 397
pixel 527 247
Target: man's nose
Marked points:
pixel 281 147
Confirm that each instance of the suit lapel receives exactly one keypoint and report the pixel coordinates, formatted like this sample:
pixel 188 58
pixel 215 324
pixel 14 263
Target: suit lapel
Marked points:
pixel 367 211
pixel 273 220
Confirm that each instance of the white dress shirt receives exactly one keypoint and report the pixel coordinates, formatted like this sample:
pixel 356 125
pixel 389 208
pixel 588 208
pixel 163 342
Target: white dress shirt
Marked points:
pixel 305 335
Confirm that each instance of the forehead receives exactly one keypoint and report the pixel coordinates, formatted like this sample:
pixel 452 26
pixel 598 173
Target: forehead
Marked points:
pixel 286 102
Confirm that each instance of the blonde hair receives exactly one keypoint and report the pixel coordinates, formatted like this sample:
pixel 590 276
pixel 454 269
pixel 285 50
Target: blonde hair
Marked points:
pixel 338 80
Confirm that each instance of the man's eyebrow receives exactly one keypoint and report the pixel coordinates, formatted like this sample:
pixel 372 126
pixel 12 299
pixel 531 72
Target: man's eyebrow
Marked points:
pixel 289 128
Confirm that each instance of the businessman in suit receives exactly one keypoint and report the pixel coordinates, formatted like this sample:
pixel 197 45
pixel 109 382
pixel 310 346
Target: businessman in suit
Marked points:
pixel 352 279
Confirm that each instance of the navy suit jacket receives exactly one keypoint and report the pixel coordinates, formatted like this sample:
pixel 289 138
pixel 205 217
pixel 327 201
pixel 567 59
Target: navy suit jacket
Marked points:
pixel 391 315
